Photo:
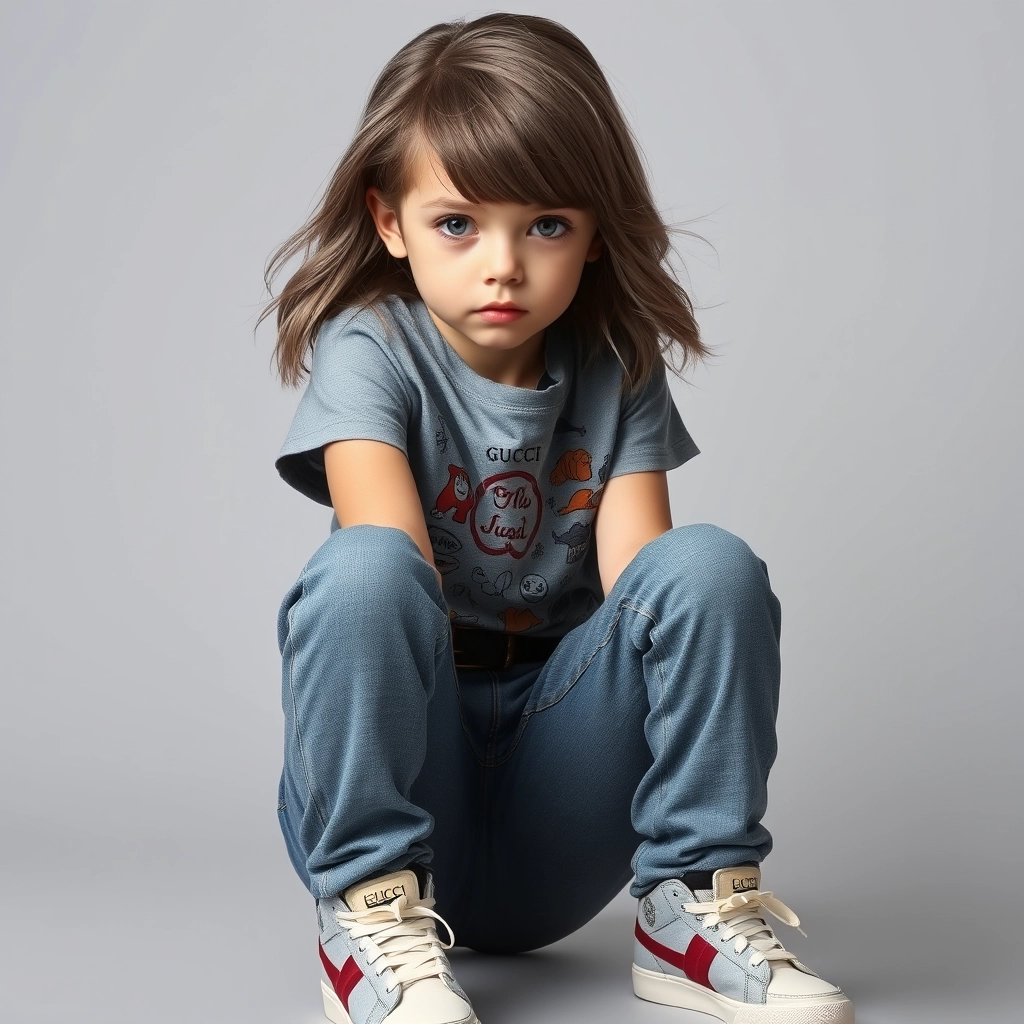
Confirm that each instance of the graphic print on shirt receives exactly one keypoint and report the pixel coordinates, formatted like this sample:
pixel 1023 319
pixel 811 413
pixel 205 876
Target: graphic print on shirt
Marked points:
pixel 460 590
pixel 457 494
pixel 583 500
pixel 515 620
pixel 503 513
pixel 576 539
pixel 533 587
pixel 444 545
pixel 575 464
pixel 498 587
pixel 441 435
pixel 506 513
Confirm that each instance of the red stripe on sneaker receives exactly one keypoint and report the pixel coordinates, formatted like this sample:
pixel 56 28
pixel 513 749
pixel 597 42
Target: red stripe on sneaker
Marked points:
pixel 344 980
pixel 700 953
pixel 694 963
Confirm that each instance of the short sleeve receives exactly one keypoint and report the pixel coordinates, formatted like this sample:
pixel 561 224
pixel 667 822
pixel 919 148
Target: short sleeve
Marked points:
pixel 355 390
pixel 651 434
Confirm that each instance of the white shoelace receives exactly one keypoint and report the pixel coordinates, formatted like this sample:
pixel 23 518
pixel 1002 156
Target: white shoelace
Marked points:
pixel 739 915
pixel 401 936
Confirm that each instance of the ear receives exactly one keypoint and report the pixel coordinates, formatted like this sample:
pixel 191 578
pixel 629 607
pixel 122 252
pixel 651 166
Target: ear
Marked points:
pixel 386 221
pixel 596 246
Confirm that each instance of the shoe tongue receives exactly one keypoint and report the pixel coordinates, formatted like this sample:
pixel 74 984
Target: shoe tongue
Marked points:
pixel 379 892
pixel 729 881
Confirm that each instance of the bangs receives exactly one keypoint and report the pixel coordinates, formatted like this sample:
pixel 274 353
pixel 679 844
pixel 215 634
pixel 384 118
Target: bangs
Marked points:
pixel 514 144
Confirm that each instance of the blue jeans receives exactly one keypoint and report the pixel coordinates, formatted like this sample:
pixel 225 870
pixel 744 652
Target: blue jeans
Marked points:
pixel 641 747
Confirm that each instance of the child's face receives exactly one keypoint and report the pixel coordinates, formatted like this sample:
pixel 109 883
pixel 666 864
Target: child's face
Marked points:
pixel 465 255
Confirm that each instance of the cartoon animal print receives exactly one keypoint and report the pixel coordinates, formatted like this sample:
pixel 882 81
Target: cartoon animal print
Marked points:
pixel 563 426
pixel 515 620
pixel 583 500
pixel 550 502
pixel 576 539
pixel 441 435
pixel 604 467
pixel 533 587
pixel 538 548
pixel 499 586
pixel 506 513
pixel 573 464
pixel 457 494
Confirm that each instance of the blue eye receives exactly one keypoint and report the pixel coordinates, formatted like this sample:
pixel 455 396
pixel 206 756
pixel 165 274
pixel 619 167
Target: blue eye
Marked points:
pixel 547 227
pixel 557 222
pixel 448 220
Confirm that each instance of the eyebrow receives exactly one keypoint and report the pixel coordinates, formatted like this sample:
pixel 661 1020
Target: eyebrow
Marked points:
pixel 448 204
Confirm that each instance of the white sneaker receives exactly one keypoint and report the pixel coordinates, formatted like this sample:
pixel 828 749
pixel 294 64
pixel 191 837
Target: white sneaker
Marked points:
pixel 382 959
pixel 712 950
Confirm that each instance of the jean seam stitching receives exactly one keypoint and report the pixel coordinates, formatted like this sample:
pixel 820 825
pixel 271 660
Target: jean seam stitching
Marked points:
pixel 660 675
pixel 593 654
pixel 462 719
pixel 492 739
pixel 295 717
pixel 530 712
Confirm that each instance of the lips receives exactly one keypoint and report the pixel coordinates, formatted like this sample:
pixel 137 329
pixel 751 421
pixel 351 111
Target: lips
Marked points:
pixel 500 315
pixel 511 306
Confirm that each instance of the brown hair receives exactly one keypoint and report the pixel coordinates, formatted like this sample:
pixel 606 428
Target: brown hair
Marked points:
pixel 517 110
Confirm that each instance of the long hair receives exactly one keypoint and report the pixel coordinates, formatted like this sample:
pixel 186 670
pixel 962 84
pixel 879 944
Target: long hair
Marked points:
pixel 517 110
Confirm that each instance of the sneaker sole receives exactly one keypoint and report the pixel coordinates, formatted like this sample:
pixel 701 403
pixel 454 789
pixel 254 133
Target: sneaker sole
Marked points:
pixel 660 988
pixel 332 1006
pixel 336 1012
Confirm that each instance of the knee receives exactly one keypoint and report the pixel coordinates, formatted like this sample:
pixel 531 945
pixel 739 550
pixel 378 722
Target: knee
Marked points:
pixel 709 560
pixel 369 568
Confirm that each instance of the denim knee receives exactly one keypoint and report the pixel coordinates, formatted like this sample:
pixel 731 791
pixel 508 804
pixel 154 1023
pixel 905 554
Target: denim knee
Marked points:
pixel 372 570
pixel 713 562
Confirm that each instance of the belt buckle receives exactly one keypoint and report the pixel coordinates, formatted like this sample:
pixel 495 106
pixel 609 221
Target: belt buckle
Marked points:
pixel 506 660
pixel 467 664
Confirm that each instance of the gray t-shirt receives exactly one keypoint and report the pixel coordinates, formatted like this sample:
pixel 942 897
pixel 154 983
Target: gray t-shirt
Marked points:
pixel 509 478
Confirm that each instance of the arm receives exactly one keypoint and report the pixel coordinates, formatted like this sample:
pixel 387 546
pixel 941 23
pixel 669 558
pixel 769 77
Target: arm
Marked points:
pixel 371 482
pixel 634 509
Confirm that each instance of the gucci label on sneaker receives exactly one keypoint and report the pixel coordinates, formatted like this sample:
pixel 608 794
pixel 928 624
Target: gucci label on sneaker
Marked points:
pixel 649 911
pixel 375 899
pixel 729 881
pixel 379 892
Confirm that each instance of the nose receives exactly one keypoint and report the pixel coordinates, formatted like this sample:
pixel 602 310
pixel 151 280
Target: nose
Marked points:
pixel 502 261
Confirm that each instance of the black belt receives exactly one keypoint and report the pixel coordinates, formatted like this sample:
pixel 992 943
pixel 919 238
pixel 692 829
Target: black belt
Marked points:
pixel 497 649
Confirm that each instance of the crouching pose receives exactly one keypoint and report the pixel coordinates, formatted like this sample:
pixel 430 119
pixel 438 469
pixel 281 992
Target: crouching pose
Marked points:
pixel 511 687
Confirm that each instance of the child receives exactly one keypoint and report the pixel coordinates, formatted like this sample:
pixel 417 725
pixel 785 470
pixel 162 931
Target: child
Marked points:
pixel 505 673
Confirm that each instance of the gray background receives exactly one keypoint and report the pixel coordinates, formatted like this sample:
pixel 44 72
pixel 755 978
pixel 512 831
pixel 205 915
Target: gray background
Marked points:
pixel 856 172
